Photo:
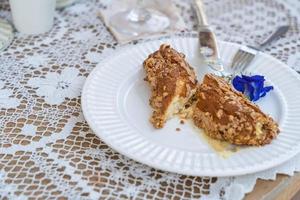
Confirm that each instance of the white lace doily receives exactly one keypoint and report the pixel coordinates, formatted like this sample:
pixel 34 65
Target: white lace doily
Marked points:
pixel 48 151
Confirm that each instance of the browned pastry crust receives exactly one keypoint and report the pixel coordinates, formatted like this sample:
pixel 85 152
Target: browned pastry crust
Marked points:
pixel 228 115
pixel 172 83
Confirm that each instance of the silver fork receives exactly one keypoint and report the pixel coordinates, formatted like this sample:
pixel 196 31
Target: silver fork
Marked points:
pixel 246 54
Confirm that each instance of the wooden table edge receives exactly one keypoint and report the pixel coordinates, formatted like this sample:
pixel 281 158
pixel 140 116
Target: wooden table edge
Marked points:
pixel 283 188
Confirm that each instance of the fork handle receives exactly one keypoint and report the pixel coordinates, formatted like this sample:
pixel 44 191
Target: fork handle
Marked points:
pixel 281 30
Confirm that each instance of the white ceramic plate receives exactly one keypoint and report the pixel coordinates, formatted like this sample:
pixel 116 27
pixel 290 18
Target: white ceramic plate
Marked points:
pixel 64 3
pixel 6 34
pixel 115 104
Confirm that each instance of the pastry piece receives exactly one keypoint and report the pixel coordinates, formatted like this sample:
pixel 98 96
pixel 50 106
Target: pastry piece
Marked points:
pixel 226 114
pixel 172 82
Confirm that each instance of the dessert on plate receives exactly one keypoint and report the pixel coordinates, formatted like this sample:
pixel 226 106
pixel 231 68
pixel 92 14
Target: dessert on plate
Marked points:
pixel 172 81
pixel 226 114
pixel 214 105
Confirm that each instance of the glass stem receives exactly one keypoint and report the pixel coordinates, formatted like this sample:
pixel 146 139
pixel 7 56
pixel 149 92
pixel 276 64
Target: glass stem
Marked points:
pixel 138 13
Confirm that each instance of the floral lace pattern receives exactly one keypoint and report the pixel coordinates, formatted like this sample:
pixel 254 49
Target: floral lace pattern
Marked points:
pixel 56 87
pixel 48 151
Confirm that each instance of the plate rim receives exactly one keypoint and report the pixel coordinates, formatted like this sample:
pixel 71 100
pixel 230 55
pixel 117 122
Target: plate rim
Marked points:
pixel 10 38
pixel 155 165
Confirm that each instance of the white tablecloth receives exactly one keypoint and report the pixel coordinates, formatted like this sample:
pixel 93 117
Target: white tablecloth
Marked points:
pixel 48 151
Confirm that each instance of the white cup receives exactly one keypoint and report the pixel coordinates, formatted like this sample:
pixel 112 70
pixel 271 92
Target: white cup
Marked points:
pixel 33 16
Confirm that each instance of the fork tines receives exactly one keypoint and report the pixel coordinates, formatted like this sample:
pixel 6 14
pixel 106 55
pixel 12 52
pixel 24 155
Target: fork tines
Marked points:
pixel 242 59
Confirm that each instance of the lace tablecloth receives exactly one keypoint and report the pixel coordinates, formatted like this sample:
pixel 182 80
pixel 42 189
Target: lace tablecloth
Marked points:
pixel 48 151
